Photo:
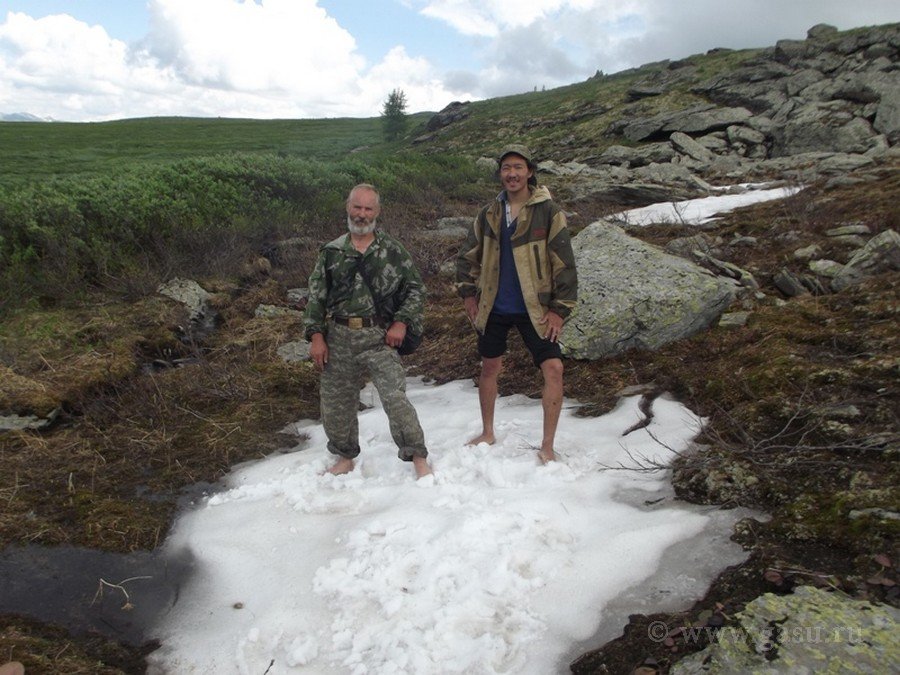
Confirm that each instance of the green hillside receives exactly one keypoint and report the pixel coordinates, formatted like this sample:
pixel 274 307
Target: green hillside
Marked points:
pixel 553 121
pixel 34 150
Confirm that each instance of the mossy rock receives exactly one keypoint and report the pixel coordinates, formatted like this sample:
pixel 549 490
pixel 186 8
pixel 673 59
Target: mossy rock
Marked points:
pixel 809 631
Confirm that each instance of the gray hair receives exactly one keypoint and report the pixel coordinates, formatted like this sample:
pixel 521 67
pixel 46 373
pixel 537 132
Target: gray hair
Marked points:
pixel 365 186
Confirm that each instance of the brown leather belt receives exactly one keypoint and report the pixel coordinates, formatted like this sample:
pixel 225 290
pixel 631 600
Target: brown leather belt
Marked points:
pixel 356 321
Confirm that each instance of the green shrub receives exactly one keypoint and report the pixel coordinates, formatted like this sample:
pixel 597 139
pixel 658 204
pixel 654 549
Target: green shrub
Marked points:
pixel 189 216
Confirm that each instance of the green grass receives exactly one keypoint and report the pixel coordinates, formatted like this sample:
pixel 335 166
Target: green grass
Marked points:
pixel 39 150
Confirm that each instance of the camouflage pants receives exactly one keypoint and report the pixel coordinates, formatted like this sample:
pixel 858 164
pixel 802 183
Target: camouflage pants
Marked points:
pixel 350 352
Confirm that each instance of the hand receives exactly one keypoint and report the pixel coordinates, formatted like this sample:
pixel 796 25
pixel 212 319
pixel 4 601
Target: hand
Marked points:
pixel 318 350
pixel 554 324
pixel 471 306
pixel 395 334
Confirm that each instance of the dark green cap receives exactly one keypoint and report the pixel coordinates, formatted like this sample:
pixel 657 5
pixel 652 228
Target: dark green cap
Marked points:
pixel 520 150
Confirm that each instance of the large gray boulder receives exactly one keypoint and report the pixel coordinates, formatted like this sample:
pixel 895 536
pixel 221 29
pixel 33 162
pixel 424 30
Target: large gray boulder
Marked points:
pixel 695 120
pixel 633 294
pixel 823 127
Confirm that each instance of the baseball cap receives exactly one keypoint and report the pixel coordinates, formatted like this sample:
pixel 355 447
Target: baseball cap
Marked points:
pixel 517 149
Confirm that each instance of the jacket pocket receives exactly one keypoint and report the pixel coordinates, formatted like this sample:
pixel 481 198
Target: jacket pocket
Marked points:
pixel 537 261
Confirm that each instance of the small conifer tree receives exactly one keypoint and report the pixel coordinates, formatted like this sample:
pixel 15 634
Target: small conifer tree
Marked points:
pixel 394 115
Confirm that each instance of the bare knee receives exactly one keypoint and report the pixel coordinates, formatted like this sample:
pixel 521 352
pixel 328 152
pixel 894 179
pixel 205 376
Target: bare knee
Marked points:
pixel 490 368
pixel 552 370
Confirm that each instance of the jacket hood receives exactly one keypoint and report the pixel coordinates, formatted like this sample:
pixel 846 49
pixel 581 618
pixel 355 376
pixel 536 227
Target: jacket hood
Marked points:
pixel 538 194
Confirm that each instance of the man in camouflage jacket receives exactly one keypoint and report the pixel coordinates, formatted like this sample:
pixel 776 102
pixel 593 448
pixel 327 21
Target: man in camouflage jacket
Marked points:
pixel 347 335
pixel 517 269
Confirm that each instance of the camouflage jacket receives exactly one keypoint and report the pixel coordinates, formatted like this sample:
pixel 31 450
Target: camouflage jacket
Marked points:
pixel 542 250
pixel 337 289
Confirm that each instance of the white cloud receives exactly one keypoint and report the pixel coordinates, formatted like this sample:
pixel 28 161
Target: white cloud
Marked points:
pixel 278 45
pixel 422 85
pixel 59 52
pixel 274 58
pixel 289 58
pixel 490 18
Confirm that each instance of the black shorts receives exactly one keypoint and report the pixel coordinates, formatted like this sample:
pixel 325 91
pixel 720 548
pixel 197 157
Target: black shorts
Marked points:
pixel 492 343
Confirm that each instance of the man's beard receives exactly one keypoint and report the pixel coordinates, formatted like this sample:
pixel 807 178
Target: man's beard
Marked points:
pixel 360 229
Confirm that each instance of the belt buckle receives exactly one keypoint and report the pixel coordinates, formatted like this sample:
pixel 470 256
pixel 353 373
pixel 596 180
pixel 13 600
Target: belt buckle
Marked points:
pixel 355 322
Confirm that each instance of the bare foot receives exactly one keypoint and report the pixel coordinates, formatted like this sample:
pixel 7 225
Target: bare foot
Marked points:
pixel 12 668
pixel 546 456
pixel 342 466
pixel 482 438
pixel 421 466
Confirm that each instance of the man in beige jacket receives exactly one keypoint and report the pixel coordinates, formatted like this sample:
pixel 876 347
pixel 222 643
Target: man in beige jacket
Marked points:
pixel 517 269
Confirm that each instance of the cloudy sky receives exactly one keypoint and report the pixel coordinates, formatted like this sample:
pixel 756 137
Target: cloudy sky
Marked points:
pixel 89 60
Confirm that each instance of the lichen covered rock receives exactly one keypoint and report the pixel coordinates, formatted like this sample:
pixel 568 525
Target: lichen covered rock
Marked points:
pixel 809 631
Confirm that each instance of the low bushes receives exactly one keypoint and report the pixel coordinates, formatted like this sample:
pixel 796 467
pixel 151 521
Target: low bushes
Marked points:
pixel 195 216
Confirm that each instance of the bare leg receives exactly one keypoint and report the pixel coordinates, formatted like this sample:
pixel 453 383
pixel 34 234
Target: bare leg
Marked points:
pixel 343 465
pixel 421 466
pixel 487 398
pixel 551 401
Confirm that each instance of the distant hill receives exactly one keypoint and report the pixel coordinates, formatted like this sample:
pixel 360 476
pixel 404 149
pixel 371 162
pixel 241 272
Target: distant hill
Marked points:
pixel 23 117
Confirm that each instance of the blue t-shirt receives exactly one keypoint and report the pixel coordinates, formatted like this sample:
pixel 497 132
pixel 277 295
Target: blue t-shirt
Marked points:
pixel 509 292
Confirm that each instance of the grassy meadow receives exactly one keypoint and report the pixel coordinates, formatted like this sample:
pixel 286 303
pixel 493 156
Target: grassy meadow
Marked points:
pixel 39 150
pixel 120 205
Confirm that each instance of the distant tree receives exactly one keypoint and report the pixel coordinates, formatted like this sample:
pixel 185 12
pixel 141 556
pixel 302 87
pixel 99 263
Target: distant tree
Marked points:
pixel 394 115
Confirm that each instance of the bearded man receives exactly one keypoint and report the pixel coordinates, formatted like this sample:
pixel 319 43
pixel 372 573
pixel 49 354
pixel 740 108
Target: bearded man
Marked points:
pixel 364 294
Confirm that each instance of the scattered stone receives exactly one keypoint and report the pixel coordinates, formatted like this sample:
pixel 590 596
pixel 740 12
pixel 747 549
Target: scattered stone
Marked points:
pixel 272 311
pixel 878 514
pixel 848 229
pixel 297 296
pixel 293 352
pixel 850 240
pixel 733 319
pixel 826 268
pixel 839 412
pixel 808 252
pixel 690 147
pixel 23 422
pixel 788 283
pixel 189 293
pixel 880 254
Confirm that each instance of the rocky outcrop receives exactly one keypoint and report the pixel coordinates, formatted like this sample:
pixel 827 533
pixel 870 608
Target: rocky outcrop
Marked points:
pixel 453 112
pixel 815 108
pixel 632 294
pixel 834 92
pixel 696 120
